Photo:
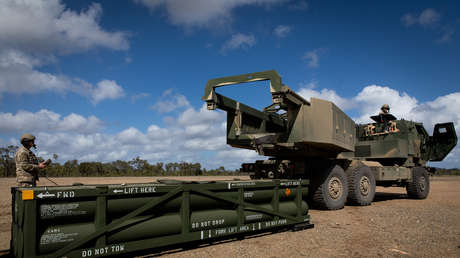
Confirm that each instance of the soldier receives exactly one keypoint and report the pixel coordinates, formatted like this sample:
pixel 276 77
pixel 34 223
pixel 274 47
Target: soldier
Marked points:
pixel 385 109
pixel 27 165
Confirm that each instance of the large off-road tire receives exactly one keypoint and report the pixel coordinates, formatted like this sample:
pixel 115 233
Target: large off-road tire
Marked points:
pixel 329 189
pixel 419 186
pixel 361 186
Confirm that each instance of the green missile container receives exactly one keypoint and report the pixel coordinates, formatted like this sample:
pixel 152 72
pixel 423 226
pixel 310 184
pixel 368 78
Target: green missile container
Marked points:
pixel 110 220
pixel 85 210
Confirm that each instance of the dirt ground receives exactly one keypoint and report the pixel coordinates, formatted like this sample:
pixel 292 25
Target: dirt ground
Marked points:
pixel 393 226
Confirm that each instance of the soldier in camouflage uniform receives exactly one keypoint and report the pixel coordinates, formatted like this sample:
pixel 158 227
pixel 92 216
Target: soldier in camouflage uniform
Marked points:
pixel 385 109
pixel 27 165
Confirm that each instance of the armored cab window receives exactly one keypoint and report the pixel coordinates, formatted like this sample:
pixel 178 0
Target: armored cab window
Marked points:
pixel 442 130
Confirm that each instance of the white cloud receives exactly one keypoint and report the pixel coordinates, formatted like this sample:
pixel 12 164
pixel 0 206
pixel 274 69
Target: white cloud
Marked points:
pixel 408 19
pixel 46 120
pixel 48 26
pixel 78 123
pixel 151 4
pixel 136 97
pixel 442 109
pixel 203 144
pixel 170 101
pixel 132 136
pixel 307 91
pixel 237 41
pixel 446 35
pixel 201 13
pixel 16 57
pixel 192 117
pixel 193 132
pixel 281 31
pixel 372 97
pixel 35 33
pixel 312 58
pixel 234 157
pixel 106 89
pixel 155 132
pixel 238 155
pixel 128 60
pixel 299 5
pixel 428 17
pixel 21 78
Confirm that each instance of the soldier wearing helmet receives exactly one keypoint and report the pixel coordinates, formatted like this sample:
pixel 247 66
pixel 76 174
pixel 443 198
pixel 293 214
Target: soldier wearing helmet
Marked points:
pixel 27 165
pixel 385 109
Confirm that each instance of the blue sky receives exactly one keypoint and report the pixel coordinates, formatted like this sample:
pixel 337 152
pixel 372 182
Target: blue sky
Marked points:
pixel 107 80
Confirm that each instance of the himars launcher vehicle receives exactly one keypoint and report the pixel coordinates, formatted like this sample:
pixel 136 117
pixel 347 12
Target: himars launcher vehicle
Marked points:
pixel 336 160
pixel 316 140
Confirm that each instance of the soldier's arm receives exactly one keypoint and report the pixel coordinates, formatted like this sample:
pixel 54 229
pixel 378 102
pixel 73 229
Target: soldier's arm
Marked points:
pixel 25 164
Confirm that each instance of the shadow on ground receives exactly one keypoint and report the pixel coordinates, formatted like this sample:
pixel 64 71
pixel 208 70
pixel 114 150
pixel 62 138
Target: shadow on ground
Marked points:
pixel 381 197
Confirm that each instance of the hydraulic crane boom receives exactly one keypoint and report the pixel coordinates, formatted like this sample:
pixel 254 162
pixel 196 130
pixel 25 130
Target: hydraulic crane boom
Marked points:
pixel 248 126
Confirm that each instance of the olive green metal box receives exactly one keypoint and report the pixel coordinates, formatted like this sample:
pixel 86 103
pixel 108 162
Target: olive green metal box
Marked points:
pixel 110 220
pixel 322 124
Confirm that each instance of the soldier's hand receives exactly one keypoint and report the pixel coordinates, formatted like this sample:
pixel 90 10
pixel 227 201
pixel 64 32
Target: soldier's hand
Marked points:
pixel 42 165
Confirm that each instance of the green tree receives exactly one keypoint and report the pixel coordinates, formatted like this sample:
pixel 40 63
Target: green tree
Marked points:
pixel 139 164
pixel 122 167
pixel 7 160
pixel 71 168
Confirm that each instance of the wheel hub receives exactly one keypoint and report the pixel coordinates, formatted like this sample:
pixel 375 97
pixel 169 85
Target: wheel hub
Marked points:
pixel 335 188
pixel 364 185
pixel 421 183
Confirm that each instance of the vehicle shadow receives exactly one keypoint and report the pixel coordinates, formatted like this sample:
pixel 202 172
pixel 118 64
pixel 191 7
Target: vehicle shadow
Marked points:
pixel 381 196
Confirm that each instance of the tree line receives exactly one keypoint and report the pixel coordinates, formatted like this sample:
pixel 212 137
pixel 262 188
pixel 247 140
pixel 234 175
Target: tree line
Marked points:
pixel 134 167
pixel 447 172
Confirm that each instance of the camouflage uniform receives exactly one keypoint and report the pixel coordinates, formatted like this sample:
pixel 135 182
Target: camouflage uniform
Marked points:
pixel 385 109
pixel 26 167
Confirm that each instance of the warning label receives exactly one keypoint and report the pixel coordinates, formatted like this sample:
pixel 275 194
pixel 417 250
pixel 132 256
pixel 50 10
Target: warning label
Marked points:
pixel 48 211
pixel 56 236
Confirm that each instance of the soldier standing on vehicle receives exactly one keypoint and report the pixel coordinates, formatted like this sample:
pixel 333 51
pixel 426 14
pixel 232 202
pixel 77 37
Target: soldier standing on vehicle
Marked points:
pixel 27 166
pixel 384 110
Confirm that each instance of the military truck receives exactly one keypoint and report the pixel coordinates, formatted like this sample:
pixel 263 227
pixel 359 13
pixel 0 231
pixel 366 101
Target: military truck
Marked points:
pixel 316 140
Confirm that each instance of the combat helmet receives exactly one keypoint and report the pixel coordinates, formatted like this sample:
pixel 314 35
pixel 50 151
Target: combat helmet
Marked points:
pixel 27 137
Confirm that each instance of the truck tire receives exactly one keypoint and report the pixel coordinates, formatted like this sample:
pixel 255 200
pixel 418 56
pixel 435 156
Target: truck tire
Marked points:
pixel 330 189
pixel 419 186
pixel 361 186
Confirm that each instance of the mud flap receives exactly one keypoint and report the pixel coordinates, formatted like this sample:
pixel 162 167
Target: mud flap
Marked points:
pixel 443 141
